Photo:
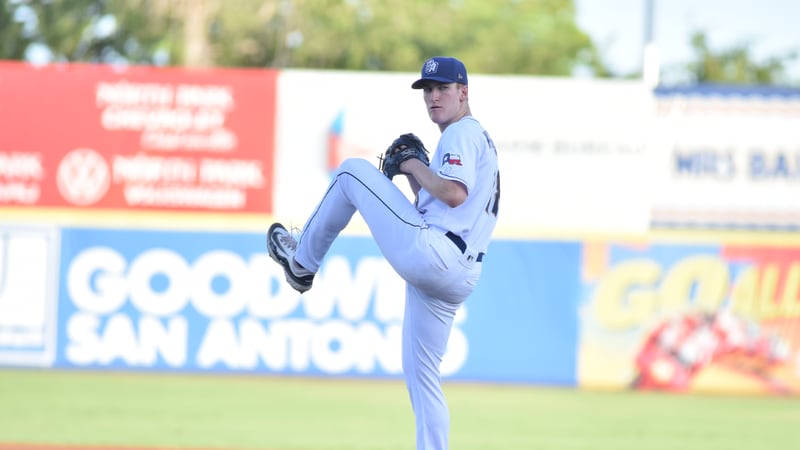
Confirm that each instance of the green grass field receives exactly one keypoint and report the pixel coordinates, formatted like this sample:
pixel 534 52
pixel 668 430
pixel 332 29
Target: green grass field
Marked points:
pixel 233 412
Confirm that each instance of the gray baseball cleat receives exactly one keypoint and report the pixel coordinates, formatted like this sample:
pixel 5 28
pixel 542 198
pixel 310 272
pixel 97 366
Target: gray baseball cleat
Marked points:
pixel 282 246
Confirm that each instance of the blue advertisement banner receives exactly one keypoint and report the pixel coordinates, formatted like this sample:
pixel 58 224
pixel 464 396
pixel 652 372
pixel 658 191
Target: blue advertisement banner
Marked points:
pixel 523 319
pixel 206 301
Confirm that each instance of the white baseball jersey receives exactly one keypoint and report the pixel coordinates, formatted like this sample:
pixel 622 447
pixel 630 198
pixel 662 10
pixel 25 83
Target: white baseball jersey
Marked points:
pixel 466 154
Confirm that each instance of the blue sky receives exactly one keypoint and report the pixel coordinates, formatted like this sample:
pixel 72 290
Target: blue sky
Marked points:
pixel 772 27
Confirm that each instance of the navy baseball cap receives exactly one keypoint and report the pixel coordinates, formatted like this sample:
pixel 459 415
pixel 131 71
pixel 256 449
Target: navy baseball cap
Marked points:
pixel 442 69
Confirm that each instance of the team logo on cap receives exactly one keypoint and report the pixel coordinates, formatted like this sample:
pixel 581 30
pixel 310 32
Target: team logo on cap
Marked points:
pixel 431 66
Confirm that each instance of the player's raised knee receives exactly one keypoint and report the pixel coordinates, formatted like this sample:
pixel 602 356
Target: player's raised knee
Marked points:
pixel 355 165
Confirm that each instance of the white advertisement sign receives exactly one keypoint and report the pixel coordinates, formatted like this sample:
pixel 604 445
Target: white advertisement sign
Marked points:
pixel 28 302
pixel 574 154
pixel 734 160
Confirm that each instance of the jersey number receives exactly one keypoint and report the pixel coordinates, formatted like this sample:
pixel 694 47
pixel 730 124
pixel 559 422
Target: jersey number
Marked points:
pixel 494 202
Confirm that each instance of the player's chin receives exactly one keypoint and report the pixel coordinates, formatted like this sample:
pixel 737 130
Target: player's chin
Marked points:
pixel 437 116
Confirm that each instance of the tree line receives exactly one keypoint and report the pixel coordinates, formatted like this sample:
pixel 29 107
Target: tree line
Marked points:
pixel 532 37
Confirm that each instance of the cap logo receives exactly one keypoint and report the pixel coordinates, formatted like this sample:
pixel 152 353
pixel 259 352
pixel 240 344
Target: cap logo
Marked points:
pixel 431 66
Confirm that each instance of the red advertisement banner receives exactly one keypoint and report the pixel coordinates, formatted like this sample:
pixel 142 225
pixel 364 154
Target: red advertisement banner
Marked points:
pixel 141 138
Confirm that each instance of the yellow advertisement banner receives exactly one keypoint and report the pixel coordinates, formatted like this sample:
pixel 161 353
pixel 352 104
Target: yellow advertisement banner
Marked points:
pixel 689 317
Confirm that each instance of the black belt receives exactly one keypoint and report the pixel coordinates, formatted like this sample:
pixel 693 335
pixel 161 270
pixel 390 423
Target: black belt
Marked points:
pixel 461 244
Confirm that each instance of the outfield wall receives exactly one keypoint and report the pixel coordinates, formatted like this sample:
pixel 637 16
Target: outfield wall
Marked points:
pixel 131 232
